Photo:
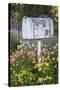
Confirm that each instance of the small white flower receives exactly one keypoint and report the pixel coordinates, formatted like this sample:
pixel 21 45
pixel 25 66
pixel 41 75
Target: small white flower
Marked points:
pixel 52 52
pixel 56 44
pixel 18 46
pixel 53 59
pixel 54 47
pixel 21 41
pixel 49 77
pixel 49 48
pixel 39 69
pixel 39 60
pixel 32 45
pixel 45 45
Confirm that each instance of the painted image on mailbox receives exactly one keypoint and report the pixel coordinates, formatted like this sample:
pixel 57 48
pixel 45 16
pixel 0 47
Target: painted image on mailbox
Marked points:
pixel 37 28
pixel 33 44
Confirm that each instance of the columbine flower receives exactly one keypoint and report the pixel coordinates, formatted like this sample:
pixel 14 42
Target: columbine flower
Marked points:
pixel 42 58
pixel 10 56
pixel 17 52
pixel 15 55
pixel 44 51
pixel 33 62
pixel 28 53
pixel 33 59
pixel 12 60
pixel 21 52
pixel 33 54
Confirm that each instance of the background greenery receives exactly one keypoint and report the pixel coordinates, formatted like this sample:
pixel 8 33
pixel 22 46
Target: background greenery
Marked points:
pixel 25 70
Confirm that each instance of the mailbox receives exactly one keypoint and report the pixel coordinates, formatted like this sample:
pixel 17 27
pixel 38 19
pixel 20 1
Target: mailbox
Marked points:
pixel 37 28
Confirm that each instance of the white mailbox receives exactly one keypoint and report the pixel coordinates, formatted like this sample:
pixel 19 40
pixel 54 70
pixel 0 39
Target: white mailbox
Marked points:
pixel 37 28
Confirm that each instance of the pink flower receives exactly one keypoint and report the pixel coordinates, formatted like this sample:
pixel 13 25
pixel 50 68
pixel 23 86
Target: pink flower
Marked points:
pixel 12 60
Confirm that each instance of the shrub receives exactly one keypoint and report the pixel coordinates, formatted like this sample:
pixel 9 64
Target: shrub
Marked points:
pixel 24 72
pixel 13 45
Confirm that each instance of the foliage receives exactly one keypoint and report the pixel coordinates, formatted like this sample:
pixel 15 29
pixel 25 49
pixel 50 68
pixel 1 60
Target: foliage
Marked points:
pixel 47 72
pixel 24 77
pixel 20 10
pixel 24 72
pixel 48 69
pixel 13 45
pixel 21 72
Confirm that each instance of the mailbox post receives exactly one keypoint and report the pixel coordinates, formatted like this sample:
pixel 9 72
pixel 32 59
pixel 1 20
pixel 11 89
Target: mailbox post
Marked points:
pixel 37 29
pixel 39 48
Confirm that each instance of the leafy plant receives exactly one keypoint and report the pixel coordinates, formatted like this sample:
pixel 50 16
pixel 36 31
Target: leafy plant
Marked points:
pixel 24 72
